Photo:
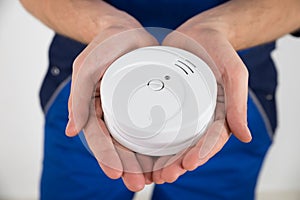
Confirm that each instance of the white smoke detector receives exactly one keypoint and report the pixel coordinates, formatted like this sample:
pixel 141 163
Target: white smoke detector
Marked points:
pixel 158 100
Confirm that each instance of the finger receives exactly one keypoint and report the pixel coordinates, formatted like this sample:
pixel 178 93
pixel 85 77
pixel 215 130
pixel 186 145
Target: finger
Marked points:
pixel 146 163
pixel 132 176
pixel 157 169
pixel 209 145
pixel 134 182
pixel 100 142
pixel 236 90
pixel 212 142
pixel 173 169
pixel 70 128
pixel 235 83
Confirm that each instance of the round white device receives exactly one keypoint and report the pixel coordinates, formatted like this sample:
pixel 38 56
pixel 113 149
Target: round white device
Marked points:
pixel 158 100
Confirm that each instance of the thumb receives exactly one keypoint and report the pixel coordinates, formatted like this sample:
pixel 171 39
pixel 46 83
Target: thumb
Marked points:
pixel 82 92
pixel 71 129
pixel 79 116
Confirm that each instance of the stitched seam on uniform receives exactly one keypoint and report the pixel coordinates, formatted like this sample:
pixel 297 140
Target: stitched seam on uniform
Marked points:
pixel 56 93
pixel 262 113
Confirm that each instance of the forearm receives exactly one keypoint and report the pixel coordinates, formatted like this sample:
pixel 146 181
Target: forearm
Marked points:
pixel 247 23
pixel 79 20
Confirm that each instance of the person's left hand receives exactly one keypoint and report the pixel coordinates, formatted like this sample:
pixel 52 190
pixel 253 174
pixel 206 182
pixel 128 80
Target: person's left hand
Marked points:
pixel 213 47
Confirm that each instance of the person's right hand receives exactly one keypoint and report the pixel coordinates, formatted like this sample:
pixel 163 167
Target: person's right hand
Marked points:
pixel 85 111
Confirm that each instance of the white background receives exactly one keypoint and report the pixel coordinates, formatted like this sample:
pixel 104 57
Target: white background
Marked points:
pixel 23 61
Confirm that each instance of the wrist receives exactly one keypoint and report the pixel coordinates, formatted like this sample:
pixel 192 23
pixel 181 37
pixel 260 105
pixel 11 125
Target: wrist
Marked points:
pixel 213 23
pixel 110 24
pixel 247 23
pixel 202 28
pixel 80 20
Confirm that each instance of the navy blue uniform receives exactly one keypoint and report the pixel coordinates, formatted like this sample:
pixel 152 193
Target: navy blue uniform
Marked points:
pixel 71 172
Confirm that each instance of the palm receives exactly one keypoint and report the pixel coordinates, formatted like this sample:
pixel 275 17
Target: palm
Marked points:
pixel 230 113
pixel 85 107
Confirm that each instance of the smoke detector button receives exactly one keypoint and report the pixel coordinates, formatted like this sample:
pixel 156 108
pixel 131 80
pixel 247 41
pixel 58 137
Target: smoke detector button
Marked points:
pixel 156 84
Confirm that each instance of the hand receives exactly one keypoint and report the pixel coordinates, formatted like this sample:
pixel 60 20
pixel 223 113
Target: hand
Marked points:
pixel 85 111
pixel 231 108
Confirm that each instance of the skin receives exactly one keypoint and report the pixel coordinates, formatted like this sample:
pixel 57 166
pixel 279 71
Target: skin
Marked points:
pixel 232 26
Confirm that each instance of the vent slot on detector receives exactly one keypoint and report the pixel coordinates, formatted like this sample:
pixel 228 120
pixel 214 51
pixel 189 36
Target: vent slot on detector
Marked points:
pixel 179 66
pixel 185 65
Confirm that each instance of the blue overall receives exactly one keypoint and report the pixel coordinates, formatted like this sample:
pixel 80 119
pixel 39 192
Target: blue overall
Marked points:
pixel 71 172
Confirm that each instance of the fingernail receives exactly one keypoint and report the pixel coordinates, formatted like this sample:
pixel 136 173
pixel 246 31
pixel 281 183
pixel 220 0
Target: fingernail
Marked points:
pixel 249 133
